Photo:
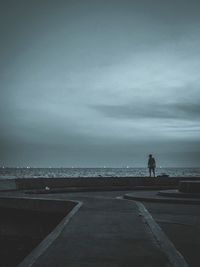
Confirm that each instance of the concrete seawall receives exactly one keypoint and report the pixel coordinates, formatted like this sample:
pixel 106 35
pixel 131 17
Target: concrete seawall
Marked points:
pixel 91 182
pixel 8 184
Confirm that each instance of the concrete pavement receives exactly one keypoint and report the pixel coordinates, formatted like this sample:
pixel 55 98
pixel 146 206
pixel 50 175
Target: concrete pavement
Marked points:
pixel 105 232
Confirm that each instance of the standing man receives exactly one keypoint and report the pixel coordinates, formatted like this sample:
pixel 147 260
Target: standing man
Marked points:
pixel 151 165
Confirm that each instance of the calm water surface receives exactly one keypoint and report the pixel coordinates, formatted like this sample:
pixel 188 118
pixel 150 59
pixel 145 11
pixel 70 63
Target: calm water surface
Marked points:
pixel 93 172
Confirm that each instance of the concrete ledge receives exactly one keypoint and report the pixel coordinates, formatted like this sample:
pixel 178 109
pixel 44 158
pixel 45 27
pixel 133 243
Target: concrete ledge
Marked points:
pixel 176 193
pixel 152 196
pixel 41 183
pixel 189 186
pixel 93 189
pixel 90 182
pixel 8 184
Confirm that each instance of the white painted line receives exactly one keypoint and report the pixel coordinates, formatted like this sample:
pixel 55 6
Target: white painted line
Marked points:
pixel 42 247
pixel 174 256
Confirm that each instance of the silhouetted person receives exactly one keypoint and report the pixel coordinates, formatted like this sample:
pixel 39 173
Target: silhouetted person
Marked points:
pixel 151 165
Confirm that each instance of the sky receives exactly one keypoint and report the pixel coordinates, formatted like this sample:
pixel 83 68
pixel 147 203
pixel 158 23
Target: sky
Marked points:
pixel 99 83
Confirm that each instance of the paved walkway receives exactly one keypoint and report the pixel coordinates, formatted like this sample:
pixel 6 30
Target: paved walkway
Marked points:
pixel 104 232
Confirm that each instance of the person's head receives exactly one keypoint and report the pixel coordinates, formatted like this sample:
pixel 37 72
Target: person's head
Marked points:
pixel 150 155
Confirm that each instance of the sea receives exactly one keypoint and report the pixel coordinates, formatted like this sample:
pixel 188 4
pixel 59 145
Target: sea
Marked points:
pixel 11 173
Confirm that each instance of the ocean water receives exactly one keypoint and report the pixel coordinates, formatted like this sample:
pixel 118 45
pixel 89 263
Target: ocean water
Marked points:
pixel 8 173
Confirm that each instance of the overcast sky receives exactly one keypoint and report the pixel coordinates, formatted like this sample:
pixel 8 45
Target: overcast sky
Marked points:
pixel 99 83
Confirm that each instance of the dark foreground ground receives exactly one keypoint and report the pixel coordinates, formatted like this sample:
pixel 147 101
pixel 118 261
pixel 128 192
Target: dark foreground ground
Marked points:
pixel 21 231
pixel 110 232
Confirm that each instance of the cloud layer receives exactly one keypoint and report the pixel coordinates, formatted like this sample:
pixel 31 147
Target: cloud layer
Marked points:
pixel 100 83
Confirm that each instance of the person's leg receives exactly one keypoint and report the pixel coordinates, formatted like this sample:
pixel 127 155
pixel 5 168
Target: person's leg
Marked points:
pixel 153 172
pixel 149 172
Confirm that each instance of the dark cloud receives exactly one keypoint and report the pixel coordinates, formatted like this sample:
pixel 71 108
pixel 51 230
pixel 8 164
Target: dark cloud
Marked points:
pixel 189 110
pixel 183 111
